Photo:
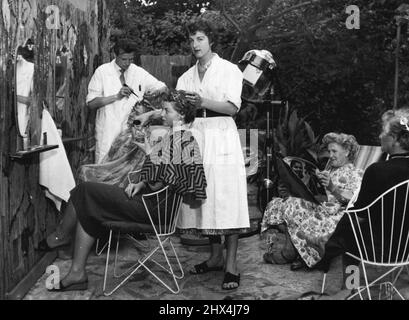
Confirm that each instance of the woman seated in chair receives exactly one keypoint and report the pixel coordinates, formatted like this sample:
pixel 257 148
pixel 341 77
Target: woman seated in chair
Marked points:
pixel 378 178
pixel 125 155
pixel 175 161
pixel 304 222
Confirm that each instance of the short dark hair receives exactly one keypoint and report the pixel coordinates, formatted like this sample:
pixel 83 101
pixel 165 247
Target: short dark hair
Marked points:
pixel 123 45
pixel 182 105
pixel 201 25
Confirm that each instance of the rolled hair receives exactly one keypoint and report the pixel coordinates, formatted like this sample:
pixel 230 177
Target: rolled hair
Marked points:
pixel 394 124
pixel 347 141
pixel 182 104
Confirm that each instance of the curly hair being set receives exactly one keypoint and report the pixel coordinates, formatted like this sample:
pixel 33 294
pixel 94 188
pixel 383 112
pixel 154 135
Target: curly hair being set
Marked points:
pixel 182 104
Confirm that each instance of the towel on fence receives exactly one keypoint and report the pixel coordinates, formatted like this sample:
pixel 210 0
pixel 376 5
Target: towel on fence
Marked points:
pixel 55 170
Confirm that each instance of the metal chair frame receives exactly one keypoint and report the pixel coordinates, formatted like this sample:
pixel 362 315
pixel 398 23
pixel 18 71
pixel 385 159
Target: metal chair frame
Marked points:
pixel 398 263
pixel 162 232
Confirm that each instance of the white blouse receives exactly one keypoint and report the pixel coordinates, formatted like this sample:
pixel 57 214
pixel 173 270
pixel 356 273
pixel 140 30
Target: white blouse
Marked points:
pixel 111 119
pixel 222 81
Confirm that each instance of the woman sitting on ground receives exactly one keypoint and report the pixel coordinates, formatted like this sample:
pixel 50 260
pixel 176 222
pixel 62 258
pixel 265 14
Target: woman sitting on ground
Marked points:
pixel 305 221
pixel 175 161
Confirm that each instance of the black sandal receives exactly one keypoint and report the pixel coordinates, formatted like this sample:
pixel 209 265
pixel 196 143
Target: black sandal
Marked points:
pixel 230 278
pixel 79 286
pixel 204 268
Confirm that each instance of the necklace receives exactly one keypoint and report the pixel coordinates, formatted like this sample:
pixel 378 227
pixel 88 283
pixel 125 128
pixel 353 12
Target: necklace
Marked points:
pixel 207 65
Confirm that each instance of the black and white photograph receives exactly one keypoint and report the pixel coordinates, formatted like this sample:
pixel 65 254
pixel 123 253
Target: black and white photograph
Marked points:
pixel 204 155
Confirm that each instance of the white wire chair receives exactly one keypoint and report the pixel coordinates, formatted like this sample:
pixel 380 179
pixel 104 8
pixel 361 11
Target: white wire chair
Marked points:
pixel 166 211
pixel 382 239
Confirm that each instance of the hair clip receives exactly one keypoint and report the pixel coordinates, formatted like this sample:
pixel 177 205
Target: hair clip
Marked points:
pixel 404 122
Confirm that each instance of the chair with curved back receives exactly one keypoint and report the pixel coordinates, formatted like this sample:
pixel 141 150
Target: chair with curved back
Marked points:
pixel 163 218
pixel 381 232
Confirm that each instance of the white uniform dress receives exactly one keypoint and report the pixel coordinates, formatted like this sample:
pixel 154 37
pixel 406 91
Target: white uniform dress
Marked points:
pixel 225 211
pixel 111 119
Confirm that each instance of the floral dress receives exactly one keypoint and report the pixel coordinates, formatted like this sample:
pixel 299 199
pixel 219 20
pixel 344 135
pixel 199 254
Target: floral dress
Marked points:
pixel 310 225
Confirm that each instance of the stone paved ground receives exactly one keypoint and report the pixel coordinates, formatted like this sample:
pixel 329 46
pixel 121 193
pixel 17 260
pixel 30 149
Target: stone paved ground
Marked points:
pixel 259 281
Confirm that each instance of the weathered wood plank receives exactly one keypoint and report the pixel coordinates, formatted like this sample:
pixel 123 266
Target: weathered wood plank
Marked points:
pixel 166 68
pixel 26 216
pixel 31 278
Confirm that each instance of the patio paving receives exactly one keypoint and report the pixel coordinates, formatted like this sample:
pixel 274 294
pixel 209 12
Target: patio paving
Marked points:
pixel 259 280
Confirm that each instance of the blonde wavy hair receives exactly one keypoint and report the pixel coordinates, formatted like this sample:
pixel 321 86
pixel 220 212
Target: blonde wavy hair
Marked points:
pixel 347 141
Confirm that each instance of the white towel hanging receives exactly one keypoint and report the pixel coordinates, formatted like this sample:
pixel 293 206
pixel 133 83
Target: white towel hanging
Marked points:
pixel 55 170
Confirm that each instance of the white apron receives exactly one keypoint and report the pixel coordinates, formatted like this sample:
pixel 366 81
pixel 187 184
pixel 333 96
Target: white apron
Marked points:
pixel 226 205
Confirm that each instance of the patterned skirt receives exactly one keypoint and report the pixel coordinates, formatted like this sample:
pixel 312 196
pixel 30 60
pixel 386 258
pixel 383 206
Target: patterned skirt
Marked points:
pixel 309 225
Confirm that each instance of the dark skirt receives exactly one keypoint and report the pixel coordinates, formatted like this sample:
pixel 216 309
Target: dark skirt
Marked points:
pixel 96 203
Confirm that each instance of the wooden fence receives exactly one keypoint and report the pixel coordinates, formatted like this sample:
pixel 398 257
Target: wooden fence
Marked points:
pixel 166 68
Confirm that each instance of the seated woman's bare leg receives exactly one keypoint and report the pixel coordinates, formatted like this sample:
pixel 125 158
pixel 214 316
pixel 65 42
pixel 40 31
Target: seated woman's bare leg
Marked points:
pixel 83 245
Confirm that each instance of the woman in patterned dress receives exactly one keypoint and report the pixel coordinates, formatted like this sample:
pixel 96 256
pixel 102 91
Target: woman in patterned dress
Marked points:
pixel 309 224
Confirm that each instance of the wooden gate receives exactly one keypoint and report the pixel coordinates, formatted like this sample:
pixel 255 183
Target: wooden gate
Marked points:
pixel 166 68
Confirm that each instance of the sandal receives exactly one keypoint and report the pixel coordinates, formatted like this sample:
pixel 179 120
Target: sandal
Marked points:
pixel 79 286
pixel 230 278
pixel 204 268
